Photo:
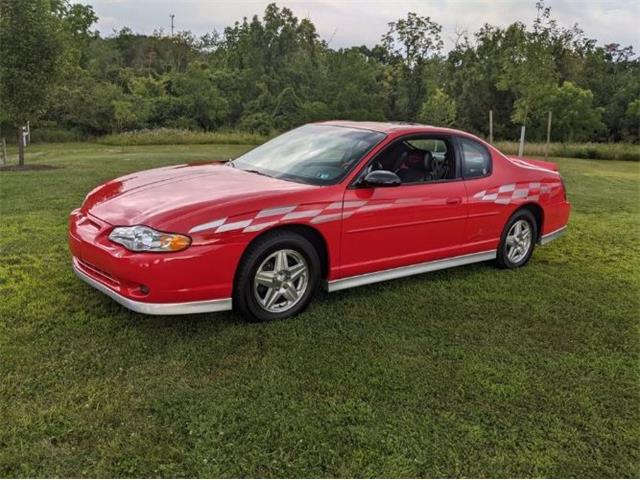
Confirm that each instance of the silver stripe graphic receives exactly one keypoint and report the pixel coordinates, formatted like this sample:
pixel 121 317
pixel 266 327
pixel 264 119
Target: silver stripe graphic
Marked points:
pixel 259 226
pixel 334 206
pixel 301 214
pixel 233 226
pixel 354 203
pixel 270 212
pixel 326 218
pixel 520 193
pixel 379 206
pixel 516 193
pixel 207 226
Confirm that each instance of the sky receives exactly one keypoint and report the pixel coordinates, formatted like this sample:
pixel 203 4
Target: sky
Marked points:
pixel 345 23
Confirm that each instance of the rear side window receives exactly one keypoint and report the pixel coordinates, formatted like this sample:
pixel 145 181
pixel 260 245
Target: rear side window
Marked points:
pixel 476 160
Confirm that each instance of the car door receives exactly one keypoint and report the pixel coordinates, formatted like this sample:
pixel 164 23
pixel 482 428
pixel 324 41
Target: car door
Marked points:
pixel 389 227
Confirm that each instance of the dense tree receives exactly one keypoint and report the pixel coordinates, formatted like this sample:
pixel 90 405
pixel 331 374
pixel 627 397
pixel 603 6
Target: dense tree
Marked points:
pixel 527 71
pixel 438 109
pixel 30 52
pixel 516 72
pixel 575 118
pixel 352 87
pixel 199 97
pixel 76 22
pixel 411 45
pixel 472 73
pixel 273 72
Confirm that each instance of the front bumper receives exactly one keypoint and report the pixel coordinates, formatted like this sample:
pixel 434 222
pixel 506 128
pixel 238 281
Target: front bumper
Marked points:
pixel 153 308
pixel 199 279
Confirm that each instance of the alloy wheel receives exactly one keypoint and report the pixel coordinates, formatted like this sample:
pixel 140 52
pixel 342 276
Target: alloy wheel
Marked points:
pixel 518 241
pixel 281 280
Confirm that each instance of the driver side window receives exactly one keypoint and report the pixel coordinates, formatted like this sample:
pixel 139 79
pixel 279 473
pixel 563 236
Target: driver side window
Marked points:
pixel 418 160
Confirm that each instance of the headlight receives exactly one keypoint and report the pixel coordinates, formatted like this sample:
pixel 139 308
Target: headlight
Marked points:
pixel 140 238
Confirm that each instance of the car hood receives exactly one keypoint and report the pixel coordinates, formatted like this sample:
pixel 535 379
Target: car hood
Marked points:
pixel 176 197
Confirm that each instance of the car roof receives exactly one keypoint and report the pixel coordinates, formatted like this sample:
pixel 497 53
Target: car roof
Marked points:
pixel 389 127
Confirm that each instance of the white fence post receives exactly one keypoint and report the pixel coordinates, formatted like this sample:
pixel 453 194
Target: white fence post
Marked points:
pixel 521 148
pixel 546 147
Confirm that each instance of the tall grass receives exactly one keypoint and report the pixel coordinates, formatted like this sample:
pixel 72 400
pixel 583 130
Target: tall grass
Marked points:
pixel 596 151
pixel 170 136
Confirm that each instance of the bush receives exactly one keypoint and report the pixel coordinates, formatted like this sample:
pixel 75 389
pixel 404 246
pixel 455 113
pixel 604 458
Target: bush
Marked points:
pixel 170 136
pixel 56 135
pixel 46 135
pixel 592 151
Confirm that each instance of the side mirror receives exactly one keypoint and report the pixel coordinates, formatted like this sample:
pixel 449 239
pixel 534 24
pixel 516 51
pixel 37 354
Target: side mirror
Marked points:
pixel 382 178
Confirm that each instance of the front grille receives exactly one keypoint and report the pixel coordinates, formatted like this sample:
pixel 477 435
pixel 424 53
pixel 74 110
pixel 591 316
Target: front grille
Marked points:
pixel 98 272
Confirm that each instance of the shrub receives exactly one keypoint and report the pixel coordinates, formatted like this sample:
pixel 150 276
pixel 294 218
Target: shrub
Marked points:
pixel 47 135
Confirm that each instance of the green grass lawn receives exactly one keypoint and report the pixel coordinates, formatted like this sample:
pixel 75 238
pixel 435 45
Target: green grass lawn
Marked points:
pixel 473 371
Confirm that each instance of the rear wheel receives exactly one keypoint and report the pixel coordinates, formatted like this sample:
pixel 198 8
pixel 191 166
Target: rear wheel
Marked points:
pixel 518 240
pixel 277 277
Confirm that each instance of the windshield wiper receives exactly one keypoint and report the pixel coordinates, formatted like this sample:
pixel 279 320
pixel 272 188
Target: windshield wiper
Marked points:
pixel 229 163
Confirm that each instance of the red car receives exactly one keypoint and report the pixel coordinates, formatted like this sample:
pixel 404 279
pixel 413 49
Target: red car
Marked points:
pixel 333 204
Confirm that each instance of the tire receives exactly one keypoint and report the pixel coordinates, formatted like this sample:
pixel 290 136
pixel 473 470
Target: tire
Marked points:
pixel 516 247
pixel 289 268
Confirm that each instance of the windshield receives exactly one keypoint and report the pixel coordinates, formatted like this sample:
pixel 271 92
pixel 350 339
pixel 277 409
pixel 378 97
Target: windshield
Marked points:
pixel 316 154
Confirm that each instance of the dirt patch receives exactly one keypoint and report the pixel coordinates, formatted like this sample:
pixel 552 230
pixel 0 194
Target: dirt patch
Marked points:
pixel 25 168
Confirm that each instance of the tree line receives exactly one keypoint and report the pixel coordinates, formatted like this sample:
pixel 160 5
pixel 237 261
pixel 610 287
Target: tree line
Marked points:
pixel 273 72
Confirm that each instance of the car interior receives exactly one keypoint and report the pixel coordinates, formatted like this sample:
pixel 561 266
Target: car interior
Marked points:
pixel 418 160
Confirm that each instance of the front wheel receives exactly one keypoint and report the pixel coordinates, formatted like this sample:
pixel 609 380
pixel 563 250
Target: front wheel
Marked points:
pixel 518 240
pixel 277 277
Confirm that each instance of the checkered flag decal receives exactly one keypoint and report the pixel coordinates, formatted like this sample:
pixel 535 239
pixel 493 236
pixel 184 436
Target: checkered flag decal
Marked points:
pixel 509 193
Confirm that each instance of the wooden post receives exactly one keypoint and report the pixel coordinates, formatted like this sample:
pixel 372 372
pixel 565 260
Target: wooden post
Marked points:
pixel 491 126
pixel 521 148
pixel 4 152
pixel 20 146
pixel 546 147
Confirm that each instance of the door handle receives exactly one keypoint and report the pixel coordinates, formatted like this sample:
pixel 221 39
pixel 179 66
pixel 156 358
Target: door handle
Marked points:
pixel 454 200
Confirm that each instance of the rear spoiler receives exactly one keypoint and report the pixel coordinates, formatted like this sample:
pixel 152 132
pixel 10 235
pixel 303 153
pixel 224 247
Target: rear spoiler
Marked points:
pixel 535 163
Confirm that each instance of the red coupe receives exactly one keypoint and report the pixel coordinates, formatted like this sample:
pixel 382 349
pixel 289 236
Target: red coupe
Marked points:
pixel 333 204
